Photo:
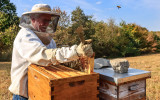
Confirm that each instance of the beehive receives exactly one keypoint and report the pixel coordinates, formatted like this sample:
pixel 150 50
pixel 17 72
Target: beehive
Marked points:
pixel 126 86
pixel 61 83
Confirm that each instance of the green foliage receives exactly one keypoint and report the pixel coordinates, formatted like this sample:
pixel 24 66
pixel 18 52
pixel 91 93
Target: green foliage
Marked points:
pixel 64 20
pixel 153 42
pixel 78 18
pixel 8 15
pixel 136 39
pixel 105 38
pixel 6 42
pixel 62 37
pixel 109 39
pixel 7 7
pixel 8 28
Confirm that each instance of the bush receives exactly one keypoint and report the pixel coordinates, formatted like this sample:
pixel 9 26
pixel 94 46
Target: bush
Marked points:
pixel 6 42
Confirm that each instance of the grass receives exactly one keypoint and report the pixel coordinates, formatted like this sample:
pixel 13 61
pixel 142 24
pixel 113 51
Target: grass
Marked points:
pixel 150 62
pixel 5 81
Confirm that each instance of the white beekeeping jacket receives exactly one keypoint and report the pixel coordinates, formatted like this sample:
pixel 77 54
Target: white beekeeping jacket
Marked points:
pixel 28 49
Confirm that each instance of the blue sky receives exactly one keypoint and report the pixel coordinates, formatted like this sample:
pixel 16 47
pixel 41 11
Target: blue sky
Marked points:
pixel 145 13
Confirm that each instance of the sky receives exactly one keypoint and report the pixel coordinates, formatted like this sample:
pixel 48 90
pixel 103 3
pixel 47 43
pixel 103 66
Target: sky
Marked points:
pixel 145 13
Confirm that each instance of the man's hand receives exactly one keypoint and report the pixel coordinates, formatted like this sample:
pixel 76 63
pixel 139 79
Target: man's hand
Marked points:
pixel 84 50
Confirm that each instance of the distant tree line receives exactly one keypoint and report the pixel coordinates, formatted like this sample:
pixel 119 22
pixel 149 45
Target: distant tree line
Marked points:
pixel 109 39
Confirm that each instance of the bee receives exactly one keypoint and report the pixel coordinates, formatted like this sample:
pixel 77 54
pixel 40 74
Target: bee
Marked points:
pixel 118 7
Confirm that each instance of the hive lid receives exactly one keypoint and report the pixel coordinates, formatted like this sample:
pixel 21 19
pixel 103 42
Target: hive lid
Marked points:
pixel 117 78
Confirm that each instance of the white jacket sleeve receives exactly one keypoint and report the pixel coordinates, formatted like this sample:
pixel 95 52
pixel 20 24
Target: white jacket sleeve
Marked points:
pixel 66 54
pixel 33 50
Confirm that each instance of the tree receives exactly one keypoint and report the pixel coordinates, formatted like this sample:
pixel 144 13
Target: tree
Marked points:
pixel 105 39
pixel 9 22
pixel 136 37
pixel 64 20
pixel 8 15
pixel 61 35
pixel 79 19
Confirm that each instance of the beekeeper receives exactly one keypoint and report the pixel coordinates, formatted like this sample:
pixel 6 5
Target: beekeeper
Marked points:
pixel 34 44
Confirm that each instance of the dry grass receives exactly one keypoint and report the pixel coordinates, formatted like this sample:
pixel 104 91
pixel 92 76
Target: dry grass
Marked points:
pixel 5 81
pixel 150 63
pixel 147 62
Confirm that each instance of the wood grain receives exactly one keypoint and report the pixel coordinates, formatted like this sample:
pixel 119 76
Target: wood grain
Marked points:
pixel 61 83
pixel 135 90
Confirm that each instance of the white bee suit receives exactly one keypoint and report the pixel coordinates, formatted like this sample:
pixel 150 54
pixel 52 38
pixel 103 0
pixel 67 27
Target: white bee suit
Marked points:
pixel 28 49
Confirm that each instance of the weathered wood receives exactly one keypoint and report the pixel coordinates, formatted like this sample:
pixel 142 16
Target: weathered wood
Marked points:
pixel 140 95
pixel 104 96
pixel 61 83
pixel 132 91
pixel 133 85
pixel 108 88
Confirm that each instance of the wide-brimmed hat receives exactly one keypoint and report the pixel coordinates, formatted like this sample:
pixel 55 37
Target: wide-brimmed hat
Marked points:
pixel 25 20
pixel 41 8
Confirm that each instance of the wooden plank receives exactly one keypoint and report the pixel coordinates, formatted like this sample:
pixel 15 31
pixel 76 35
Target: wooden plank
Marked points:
pixel 79 97
pixel 45 85
pixel 133 78
pixel 76 84
pixel 104 96
pixel 124 91
pixel 54 72
pixel 42 72
pixel 75 92
pixel 69 73
pixel 57 73
pixel 102 79
pixel 110 89
pixel 54 69
pixel 76 78
pixel 80 77
pixel 133 85
pixel 140 95
pixel 38 85
pixel 71 70
pixel 130 93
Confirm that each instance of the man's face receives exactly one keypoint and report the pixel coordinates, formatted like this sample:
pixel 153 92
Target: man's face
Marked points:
pixel 40 23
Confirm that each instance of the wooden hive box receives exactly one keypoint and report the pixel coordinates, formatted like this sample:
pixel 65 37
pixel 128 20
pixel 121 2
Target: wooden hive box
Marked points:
pixel 61 83
pixel 126 86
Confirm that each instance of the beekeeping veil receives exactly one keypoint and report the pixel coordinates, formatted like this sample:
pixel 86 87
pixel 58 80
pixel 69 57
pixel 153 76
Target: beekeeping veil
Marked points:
pixel 37 10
